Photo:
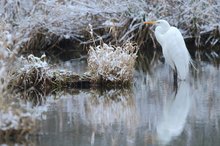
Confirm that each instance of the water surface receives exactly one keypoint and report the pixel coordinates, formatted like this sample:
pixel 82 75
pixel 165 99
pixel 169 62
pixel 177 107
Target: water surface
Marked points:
pixel 151 113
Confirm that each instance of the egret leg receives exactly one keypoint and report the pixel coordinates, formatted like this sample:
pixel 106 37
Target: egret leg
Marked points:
pixel 175 83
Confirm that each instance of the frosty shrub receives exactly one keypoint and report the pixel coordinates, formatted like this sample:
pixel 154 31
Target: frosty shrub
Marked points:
pixel 111 63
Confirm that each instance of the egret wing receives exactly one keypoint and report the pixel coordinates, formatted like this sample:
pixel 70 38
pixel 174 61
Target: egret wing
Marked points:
pixel 175 52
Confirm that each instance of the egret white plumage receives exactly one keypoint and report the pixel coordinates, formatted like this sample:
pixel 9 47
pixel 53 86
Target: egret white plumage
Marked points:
pixel 173 47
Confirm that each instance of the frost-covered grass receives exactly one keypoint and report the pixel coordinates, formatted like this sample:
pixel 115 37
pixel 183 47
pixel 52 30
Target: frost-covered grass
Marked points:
pixel 110 63
pixel 34 26
pixel 70 19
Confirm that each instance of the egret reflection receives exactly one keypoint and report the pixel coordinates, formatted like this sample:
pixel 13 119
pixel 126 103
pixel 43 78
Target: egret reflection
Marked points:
pixel 174 114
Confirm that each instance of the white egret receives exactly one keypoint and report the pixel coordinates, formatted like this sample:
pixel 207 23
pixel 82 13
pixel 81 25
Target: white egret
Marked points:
pixel 173 47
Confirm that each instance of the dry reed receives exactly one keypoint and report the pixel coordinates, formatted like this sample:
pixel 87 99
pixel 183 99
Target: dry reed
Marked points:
pixel 112 64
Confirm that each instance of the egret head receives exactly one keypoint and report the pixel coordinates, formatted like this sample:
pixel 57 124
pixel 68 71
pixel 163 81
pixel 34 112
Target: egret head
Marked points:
pixel 162 25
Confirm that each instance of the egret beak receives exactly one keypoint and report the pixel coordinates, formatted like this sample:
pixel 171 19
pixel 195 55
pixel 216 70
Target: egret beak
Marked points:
pixel 150 22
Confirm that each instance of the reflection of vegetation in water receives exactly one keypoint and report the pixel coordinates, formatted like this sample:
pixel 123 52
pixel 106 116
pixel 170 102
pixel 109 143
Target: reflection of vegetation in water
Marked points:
pixel 118 116
pixel 98 112
pixel 15 123
pixel 113 106
pixel 35 96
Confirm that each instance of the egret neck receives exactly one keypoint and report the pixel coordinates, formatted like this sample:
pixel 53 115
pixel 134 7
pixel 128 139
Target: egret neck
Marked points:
pixel 160 30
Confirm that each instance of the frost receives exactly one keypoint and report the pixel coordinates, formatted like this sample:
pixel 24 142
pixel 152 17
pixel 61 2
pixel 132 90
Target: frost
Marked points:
pixel 37 62
pixel 12 120
pixel 71 18
pixel 112 63
pixel 33 61
pixel 8 121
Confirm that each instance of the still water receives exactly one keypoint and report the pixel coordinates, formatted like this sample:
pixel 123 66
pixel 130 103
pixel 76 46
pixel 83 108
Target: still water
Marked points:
pixel 151 113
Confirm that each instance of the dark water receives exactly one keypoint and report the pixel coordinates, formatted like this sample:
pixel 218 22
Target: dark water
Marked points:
pixel 151 113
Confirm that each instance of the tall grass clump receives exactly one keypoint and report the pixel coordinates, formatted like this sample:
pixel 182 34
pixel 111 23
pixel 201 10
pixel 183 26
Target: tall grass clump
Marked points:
pixel 111 63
